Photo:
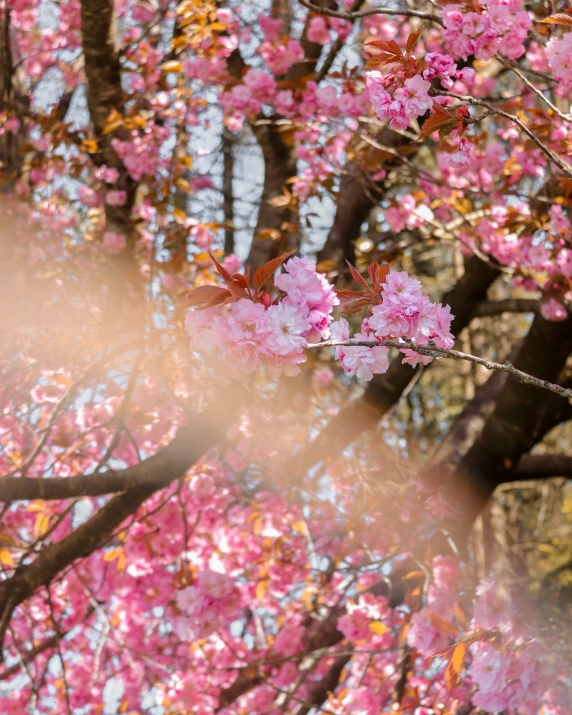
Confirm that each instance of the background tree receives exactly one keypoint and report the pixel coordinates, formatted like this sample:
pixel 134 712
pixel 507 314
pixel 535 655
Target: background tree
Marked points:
pixel 182 533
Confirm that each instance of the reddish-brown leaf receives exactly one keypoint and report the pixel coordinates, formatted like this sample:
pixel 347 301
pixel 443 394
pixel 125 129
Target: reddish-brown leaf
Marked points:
pixel 559 18
pixel 358 305
pixel 442 624
pixel 240 279
pixel 218 299
pixel 236 290
pixel 357 276
pixel 383 271
pixel 438 119
pixel 262 274
pixel 373 270
pixel 412 41
pixel 349 294
pixel 221 270
pixel 203 294
pixel 455 665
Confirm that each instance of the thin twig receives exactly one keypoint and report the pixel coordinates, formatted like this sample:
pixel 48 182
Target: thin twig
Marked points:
pixel 371 11
pixel 431 350
pixel 512 66
pixel 554 158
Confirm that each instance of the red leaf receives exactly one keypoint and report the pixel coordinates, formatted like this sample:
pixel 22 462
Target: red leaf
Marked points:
pixel 383 271
pixel 203 294
pixel 222 271
pixel 412 41
pixel 357 276
pixel 559 18
pixel 349 294
pixel 218 299
pixel 358 305
pixel 373 270
pixel 439 118
pixel 240 279
pixel 236 290
pixel 262 274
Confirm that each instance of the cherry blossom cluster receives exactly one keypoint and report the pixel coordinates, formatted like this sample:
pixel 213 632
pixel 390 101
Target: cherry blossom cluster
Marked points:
pixel 401 92
pixel 272 334
pixel 484 28
pixel 508 668
pixel 255 331
pixel 403 313
pixel 558 53
pixel 210 604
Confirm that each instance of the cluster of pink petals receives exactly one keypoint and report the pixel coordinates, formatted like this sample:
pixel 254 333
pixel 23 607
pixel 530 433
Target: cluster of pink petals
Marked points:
pixel 140 154
pixel 248 335
pixel 246 99
pixel 404 313
pixel 489 27
pixel 400 98
pixel 559 53
pixel 409 101
pixel 211 603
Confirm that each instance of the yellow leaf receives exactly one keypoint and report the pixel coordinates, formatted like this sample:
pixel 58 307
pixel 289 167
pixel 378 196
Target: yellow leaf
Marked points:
pixel 261 588
pixel 378 628
pixel 299 527
pixel 306 599
pixel 16 457
pixel 113 554
pixel 172 66
pixel 443 625
pixel 179 216
pixel 257 526
pixel 455 665
pixel 41 524
pixel 6 558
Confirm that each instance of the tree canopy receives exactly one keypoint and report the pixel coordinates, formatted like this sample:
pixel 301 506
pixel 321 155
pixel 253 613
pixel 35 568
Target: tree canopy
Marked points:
pixel 285 393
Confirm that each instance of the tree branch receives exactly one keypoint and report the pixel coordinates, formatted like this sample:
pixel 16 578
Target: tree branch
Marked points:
pixel 433 351
pixel 542 466
pixel 510 305
pixel 158 472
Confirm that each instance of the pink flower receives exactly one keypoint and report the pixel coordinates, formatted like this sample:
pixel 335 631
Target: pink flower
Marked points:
pixel 323 376
pixel 424 636
pixel 232 263
pixel 414 96
pixel 89 197
pixel 247 323
pixel 378 95
pixel 318 30
pixel 564 262
pixel 203 236
pixel 304 286
pixel 286 328
pixel 115 198
pixel 114 242
pixel 473 24
pixel 489 671
pixel 106 173
pixel 363 362
pixel 12 124
pixel 553 310
pixel 414 358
